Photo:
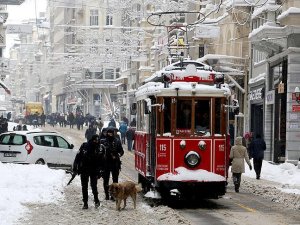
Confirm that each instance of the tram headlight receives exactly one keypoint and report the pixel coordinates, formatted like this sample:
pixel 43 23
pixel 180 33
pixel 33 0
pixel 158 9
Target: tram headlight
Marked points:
pixel 182 144
pixel 202 145
pixel 192 159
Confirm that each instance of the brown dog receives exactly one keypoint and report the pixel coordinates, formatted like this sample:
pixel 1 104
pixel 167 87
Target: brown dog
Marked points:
pixel 121 191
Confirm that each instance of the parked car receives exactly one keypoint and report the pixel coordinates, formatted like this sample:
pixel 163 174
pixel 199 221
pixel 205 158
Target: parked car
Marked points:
pixel 36 147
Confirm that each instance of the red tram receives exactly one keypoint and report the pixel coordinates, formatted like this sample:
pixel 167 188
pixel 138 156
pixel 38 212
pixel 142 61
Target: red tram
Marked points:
pixel 181 138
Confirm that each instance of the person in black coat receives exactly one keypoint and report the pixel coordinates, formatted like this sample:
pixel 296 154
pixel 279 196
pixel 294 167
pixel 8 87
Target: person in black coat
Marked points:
pixel 112 123
pixel 114 151
pixel 89 164
pixel 130 137
pixel 257 148
pixel 90 132
pixel 103 134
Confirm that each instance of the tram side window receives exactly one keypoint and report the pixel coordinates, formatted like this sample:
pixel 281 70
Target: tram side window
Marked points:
pixel 140 116
pixel 202 116
pixel 167 115
pixel 218 116
pixel 184 112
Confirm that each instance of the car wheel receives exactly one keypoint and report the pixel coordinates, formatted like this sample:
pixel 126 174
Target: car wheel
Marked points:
pixel 40 162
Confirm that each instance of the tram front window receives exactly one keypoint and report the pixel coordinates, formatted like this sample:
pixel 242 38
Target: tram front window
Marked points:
pixel 184 114
pixel 202 116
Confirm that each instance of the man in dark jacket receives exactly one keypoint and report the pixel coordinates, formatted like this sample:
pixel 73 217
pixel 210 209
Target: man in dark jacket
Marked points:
pixel 90 132
pixel 257 148
pixel 130 137
pixel 89 164
pixel 114 151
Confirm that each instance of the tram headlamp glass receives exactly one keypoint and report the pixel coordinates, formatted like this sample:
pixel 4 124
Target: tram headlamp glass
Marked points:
pixel 192 159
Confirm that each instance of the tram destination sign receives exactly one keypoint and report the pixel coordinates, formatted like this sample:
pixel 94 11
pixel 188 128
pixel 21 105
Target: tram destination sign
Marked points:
pixel 206 78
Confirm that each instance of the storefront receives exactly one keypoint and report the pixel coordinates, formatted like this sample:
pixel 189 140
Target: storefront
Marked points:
pixel 278 83
pixel 284 113
pixel 256 100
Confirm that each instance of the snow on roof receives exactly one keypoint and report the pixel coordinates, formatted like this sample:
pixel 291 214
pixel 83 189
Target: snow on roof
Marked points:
pixel 174 65
pixel 216 56
pixel 230 3
pixel 183 174
pixel 259 77
pixel 291 10
pixel 230 69
pixel 146 68
pixel 157 87
pixel 265 8
pixel 268 25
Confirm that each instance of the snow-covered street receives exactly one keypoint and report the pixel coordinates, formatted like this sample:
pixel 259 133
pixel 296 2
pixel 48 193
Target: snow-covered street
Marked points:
pixel 36 194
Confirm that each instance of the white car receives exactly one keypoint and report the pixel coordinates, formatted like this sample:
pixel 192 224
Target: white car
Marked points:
pixel 36 147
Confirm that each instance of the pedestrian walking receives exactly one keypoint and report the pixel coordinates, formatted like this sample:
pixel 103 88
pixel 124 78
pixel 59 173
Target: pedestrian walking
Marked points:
pixel 71 119
pixel 90 132
pixel 237 155
pixel 123 129
pixel 89 164
pixel 112 123
pixel 99 124
pixel 133 123
pixel 112 165
pixel 103 134
pixel 257 148
pixel 130 137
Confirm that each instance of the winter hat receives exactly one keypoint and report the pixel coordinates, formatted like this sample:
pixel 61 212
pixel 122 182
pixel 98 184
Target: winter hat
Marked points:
pixel 95 137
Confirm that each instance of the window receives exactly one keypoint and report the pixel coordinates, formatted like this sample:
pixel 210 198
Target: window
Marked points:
pixel 5 139
pixel 218 116
pixel 140 118
pixel 117 73
pixel 109 73
pixel 18 140
pixel 94 17
pixel 49 141
pixel 99 75
pixel 184 115
pixel 109 20
pixel 94 47
pixel 167 115
pixel 62 143
pixel 202 115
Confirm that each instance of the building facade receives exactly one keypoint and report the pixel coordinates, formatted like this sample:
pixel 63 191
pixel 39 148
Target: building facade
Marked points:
pixel 274 76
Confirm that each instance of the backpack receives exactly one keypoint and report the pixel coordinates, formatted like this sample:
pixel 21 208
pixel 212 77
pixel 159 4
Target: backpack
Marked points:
pixel 81 159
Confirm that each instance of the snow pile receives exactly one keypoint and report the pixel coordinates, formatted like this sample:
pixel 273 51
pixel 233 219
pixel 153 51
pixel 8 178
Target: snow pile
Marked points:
pixel 286 174
pixel 183 174
pixel 280 183
pixel 21 184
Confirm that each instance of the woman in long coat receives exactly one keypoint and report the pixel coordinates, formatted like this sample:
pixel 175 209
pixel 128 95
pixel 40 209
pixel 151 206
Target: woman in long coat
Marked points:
pixel 237 155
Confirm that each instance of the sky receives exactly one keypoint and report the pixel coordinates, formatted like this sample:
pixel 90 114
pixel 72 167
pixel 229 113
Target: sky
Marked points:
pixel 17 13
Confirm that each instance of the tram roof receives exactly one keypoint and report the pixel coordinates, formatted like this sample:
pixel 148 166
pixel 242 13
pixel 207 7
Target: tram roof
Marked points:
pixel 201 69
pixel 183 89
